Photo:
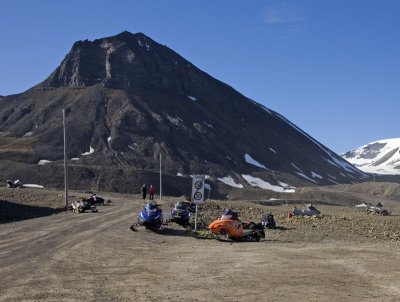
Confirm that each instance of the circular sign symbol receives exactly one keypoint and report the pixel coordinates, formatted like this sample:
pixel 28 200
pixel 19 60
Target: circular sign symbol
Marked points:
pixel 198 185
pixel 197 195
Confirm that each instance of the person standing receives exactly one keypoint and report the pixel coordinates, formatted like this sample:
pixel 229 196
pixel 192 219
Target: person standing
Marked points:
pixel 144 191
pixel 152 191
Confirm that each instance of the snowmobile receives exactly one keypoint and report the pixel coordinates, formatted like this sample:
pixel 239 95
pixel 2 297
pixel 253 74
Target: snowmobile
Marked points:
pixel 268 221
pixel 16 184
pixel 81 206
pixel 229 226
pixel 180 214
pixel 150 217
pixel 309 211
pixel 93 200
pixel 378 209
pixel 19 184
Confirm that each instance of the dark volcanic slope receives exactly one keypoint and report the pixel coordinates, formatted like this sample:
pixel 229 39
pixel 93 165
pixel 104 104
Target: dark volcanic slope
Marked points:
pixel 128 99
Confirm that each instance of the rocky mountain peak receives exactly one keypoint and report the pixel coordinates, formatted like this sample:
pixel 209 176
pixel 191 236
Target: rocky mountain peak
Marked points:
pixel 124 61
pixel 127 36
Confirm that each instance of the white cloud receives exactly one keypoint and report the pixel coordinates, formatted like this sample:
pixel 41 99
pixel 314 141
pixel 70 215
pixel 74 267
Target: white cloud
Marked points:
pixel 281 14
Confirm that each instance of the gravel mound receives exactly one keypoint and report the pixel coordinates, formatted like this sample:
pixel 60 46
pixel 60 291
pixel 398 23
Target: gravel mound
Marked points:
pixel 336 222
pixel 24 203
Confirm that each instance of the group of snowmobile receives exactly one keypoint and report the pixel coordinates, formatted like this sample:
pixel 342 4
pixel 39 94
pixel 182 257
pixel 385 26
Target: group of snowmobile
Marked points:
pixel 228 227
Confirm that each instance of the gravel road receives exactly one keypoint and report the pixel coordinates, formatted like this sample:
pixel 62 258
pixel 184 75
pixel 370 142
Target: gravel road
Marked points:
pixel 95 257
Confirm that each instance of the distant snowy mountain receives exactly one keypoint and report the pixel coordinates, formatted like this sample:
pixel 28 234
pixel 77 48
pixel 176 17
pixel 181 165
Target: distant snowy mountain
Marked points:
pixel 380 157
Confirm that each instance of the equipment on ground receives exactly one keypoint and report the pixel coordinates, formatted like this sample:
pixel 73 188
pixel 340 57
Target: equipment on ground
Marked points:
pixel 150 217
pixel 181 213
pixel 230 227
pixel 94 200
pixel 309 211
pixel 81 206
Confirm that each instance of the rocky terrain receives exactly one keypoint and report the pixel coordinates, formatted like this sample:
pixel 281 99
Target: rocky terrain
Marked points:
pixel 339 217
pixel 344 255
pixel 335 222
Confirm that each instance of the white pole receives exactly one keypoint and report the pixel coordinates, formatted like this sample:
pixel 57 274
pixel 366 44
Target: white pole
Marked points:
pixel 65 164
pixel 160 180
pixel 195 220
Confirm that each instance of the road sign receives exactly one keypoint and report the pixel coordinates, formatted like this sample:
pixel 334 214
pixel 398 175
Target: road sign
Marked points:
pixel 198 189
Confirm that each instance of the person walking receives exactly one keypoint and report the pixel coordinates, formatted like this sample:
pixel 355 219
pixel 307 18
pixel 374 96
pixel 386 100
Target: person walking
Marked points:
pixel 144 191
pixel 152 191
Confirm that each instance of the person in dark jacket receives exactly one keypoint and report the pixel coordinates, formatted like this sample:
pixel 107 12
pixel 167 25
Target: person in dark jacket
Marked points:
pixel 144 191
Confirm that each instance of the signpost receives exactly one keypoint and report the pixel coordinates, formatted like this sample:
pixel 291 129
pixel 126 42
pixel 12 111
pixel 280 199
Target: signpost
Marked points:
pixel 197 193
pixel 65 164
pixel 160 180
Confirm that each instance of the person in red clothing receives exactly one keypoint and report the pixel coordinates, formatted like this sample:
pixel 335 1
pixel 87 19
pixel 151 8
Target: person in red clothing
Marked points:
pixel 152 191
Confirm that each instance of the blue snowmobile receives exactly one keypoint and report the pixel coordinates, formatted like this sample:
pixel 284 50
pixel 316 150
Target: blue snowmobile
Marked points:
pixel 150 217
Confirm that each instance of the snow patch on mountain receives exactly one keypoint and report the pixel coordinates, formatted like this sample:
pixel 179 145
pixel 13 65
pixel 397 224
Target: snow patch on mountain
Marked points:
pixel 273 150
pixel 258 182
pixel 208 125
pixel 228 180
pixel 253 162
pixel 297 168
pixel 313 174
pixel 286 187
pixel 335 182
pixel 306 177
pixel 91 150
pixel 43 162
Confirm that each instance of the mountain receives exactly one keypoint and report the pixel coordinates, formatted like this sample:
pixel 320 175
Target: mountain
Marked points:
pixel 380 157
pixel 129 99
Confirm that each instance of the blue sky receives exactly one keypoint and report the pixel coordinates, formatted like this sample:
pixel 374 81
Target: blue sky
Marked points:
pixel 332 67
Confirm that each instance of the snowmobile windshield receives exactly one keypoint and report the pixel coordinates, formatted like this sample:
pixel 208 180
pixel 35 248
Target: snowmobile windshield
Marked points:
pixel 152 205
pixel 180 205
pixel 229 214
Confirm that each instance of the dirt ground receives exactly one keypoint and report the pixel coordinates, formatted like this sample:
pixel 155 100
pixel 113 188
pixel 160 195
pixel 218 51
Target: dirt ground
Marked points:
pixel 346 255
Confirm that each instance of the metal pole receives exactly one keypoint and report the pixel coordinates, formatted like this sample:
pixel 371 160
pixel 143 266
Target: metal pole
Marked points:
pixel 195 220
pixel 160 180
pixel 65 163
